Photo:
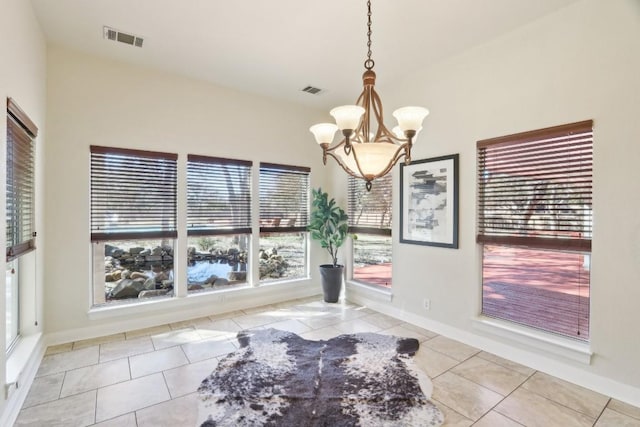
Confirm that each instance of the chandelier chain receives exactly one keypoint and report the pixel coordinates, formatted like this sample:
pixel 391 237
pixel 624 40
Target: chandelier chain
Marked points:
pixel 369 63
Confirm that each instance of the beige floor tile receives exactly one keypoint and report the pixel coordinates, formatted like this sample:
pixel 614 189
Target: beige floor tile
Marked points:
pixel 451 348
pixel 259 309
pixel 533 410
pixel 206 349
pixel 451 417
pixel 432 362
pixel 490 375
pixel 404 332
pixel 220 325
pixel 249 321
pixel 494 419
pixel 295 326
pixel 69 360
pixel 624 408
pixel 321 334
pixel 190 323
pixel 356 326
pixel 525 370
pixel 173 338
pixel 78 410
pixel 97 341
pixel 157 361
pixel 422 331
pixel 575 397
pixel 382 320
pixel 60 348
pixel 122 398
pixel 611 418
pixel 95 376
pixel 322 320
pixel 182 411
pixel 464 396
pixel 147 332
pixel 119 349
pixel 186 379
pixel 127 420
pixel 44 389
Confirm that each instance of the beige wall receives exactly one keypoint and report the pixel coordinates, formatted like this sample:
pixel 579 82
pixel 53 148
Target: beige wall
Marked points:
pixel 580 63
pixel 100 102
pixel 22 77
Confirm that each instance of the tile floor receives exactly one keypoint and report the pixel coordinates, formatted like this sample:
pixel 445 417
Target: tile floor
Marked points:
pixel 148 377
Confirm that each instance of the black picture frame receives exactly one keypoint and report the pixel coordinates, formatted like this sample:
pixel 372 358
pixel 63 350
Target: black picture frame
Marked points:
pixel 429 202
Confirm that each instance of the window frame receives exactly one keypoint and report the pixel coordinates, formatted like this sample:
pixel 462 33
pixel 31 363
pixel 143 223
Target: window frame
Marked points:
pixel 373 225
pixel 535 193
pixel 270 224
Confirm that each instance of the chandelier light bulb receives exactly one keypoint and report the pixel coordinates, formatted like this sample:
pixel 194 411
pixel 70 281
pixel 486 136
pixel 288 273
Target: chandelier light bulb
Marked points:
pixel 410 118
pixel 324 132
pixel 347 116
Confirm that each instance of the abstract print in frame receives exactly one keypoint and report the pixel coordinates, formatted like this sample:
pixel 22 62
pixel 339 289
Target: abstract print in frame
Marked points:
pixel 429 202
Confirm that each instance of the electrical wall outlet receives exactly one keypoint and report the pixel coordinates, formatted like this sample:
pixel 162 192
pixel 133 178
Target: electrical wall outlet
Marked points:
pixel 426 303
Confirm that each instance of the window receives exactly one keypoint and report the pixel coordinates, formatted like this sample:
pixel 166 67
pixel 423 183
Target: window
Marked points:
pixel 20 198
pixel 534 223
pixel 284 216
pixel 133 223
pixel 218 222
pixel 370 221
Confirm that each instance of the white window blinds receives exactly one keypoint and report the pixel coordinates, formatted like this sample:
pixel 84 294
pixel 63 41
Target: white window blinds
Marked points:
pixel 218 196
pixel 284 198
pixel 370 211
pixel 20 191
pixel 133 194
pixel 534 188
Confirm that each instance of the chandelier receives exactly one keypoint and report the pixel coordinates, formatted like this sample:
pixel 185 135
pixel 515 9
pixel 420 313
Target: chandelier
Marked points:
pixel 369 152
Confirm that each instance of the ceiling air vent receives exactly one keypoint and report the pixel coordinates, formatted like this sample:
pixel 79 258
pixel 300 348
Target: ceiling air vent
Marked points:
pixel 312 90
pixel 119 36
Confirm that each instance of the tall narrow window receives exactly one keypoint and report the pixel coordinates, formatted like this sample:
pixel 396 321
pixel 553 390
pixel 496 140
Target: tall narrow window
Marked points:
pixel 20 203
pixel 218 222
pixel 534 223
pixel 370 220
pixel 133 223
pixel 284 216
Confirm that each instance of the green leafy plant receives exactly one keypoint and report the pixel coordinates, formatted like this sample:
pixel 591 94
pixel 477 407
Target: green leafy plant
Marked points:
pixel 328 223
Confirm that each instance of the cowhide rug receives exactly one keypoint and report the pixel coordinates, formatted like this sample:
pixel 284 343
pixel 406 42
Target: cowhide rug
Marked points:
pixel 277 378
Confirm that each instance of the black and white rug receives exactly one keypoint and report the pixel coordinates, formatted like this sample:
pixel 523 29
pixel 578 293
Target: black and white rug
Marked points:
pixel 277 378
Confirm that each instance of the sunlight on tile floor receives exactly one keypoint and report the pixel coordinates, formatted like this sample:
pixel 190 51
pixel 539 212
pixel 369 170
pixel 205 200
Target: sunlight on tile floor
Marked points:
pixel 149 377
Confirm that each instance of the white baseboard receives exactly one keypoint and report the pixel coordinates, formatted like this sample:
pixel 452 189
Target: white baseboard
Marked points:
pixel 163 311
pixel 576 374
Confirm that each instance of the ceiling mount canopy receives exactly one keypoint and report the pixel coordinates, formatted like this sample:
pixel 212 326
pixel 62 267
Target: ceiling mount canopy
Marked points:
pixel 369 150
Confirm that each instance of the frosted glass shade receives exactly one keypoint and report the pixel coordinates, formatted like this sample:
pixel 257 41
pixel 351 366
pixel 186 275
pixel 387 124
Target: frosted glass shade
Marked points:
pixel 374 158
pixel 324 132
pixel 410 118
pixel 347 116
pixel 348 162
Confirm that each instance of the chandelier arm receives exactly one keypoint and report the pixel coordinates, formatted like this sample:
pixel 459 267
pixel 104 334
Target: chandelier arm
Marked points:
pixel 343 166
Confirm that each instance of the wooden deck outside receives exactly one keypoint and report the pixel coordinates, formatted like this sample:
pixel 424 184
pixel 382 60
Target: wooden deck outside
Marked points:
pixel 542 289
pixel 546 290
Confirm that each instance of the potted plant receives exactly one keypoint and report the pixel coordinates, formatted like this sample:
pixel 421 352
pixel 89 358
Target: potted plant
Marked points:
pixel 329 226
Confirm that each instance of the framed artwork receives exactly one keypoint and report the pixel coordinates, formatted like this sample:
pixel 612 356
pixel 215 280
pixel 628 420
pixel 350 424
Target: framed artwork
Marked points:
pixel 429 202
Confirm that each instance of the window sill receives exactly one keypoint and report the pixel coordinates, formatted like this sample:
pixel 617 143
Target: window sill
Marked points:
pixel 196 300
pixel 373 292
pixel 18 360
pixel 554 344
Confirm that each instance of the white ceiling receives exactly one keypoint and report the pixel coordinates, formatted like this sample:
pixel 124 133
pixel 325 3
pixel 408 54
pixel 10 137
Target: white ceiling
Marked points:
pixel 277 47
